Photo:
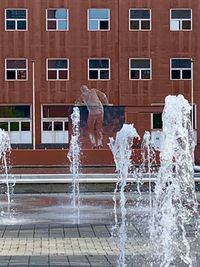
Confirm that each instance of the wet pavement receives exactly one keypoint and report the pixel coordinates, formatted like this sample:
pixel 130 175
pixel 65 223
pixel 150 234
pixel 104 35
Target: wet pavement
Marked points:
pixel 43 230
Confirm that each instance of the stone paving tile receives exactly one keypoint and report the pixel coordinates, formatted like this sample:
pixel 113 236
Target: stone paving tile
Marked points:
pixel 81 261
pixel 99 261
pixel 72 231
pixel 101 231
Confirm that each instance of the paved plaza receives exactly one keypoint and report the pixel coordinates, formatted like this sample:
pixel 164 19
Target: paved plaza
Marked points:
pixel 41 230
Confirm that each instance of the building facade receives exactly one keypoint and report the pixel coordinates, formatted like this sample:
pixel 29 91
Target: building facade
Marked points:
pixel 136 52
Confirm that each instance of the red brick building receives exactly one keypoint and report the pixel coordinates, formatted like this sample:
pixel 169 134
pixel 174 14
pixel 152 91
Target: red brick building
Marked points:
pixel 136 52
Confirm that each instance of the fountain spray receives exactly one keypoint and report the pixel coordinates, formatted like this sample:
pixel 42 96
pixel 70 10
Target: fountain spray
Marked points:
pixel 121 148
pixel 175 203
pixel 74 157
pixel 4 149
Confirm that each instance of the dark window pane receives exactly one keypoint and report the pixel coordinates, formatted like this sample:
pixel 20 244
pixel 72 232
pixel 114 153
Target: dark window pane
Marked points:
pixel 63 74
pixel 176 74
pixel 186 25
pixel 98 13
pixel 140 63
pixel 16 64
pixel 140 14
pixel 51 13
pixel 4 126
pixel 93 75
pixel 47 126
pixel 58 126
pixel 51 25
pixel 14 126
pixel 10 25
pixel 157 121
pixel 145 25
pixel 135 74
pixel 15 14
pixel 66 126
pixel 21 25
pixel 181 14
pixel 145 74
pixel 10 75
pixel 57 64
pixel 104 25
pixel 51 111
pixel 181 63
pixel 134 25
pixel 104 74
pixel 52 74
pixel 25 126
pixel 21 75
pixel 14 111
pixel 186 74
pixel 98 63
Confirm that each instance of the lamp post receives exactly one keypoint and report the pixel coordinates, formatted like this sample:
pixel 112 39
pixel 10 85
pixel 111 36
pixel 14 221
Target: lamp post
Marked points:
pixel 33 103
pixel 192 95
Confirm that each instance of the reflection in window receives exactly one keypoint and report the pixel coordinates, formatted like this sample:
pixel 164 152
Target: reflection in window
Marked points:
pixel 58 125
pixel 16 69
pixel 98 19
pixel 140 19
pixel 157 120
pixel 25 126
pixel 47 126
pixel 15 111
pixel 14 126
pixel 58 69
pixel 181 19
pixel 99 69
pixel 57 19
pixel 16 19
pixel 181 69
pixel 4 126
pixel 140 69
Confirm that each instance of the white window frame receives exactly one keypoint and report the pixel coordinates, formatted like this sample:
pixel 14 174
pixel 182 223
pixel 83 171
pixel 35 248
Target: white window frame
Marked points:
pixel 88 20
pixel 16 20
pixel 99 69
pixel 47 19
pixel 11 80
pixel 180 20
pixel 52 120
pixel 140 69
pixel 146 30
pixel 57 70
pixel 181 70
pixel 19 120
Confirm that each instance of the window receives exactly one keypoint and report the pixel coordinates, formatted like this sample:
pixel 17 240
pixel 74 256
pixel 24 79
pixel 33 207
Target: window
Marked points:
pixel 58 69
pixel 181 20
pixel 16 69
pixel 181 69
pixel 98 19
pixel 140 69
pixel 16 120
pixel 55 124
pixel 99 69
pixel 140 19
pixel 16 20
pixel 157 121
pixel 57 19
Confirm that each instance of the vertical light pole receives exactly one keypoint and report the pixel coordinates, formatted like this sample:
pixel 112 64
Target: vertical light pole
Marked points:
pixel 33 104
pixel 192 95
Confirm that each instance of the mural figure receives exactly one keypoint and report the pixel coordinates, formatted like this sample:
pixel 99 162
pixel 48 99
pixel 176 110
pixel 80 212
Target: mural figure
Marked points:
pixel 94 100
